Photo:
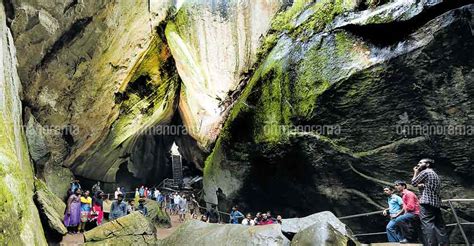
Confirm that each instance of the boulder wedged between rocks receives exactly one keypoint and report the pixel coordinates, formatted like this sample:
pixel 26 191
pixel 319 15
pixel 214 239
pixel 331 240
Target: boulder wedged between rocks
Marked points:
pixel 130 228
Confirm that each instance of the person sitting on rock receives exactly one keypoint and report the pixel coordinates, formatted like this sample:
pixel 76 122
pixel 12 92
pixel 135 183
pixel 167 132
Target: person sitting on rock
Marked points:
pixel 142 208
pixel 248 220
pixel 394 209
pixel 411 208
pixel 118 208
pixel 235 215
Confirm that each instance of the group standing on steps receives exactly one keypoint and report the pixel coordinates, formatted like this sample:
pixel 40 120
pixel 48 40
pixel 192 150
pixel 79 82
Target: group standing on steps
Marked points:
pixel 407 212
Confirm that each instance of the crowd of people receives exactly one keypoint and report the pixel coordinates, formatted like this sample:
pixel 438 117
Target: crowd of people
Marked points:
pixel 81 208
pixel 404 212
pixel 409 211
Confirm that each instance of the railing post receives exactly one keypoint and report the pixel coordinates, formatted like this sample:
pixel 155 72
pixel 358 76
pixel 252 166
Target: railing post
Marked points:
pixel 457 221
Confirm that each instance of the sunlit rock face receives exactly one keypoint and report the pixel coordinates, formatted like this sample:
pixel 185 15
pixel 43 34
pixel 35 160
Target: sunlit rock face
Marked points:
pixel 213 44
pixel 19 220
pixel 364 80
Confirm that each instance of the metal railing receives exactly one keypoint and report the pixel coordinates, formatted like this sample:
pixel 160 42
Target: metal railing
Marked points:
pixel 449 201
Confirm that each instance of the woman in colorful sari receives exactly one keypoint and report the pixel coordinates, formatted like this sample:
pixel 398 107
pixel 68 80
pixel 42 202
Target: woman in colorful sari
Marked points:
pixel 86 205
pixel 97 207
pixel 72 217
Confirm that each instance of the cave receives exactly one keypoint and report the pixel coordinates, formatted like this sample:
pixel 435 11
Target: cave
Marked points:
pixel 300 108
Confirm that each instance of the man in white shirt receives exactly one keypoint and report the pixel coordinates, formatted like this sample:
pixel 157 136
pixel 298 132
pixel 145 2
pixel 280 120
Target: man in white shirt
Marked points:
pixel 248 220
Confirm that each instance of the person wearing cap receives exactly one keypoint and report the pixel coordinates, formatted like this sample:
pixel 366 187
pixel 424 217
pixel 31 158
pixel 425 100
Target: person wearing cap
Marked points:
pixel 394 209
pixel 411 210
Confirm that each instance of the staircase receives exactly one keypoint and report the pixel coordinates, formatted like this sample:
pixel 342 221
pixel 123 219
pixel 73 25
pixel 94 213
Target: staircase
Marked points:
pixel 177 168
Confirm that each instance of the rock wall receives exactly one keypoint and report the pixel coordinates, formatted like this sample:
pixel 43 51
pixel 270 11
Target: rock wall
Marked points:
pixel 19 220
pixel 96 73
pixel 213 44
pixel 318 124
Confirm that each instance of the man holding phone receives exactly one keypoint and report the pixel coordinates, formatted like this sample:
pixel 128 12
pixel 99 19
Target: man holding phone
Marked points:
pixel 432 223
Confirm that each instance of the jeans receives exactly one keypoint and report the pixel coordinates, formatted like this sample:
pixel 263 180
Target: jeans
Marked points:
pixel 402 223
pixel 392 231
pixel 432 225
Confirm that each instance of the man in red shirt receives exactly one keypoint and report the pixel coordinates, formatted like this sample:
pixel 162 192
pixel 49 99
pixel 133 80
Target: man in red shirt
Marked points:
pixel 411 208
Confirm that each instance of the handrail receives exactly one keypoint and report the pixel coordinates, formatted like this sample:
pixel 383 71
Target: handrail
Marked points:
pixel 449 201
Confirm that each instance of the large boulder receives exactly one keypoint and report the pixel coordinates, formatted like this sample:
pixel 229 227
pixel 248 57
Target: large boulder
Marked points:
pixel 51 208
pixel 158 217
pixel 295 225
pixel 19 220
pixel 321 234
pixel 132 226
pixel 195 232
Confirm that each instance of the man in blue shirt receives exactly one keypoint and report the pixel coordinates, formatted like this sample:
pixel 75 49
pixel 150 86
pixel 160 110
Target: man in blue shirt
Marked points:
pixel 235 215
pixel 118 208
pixel 395 208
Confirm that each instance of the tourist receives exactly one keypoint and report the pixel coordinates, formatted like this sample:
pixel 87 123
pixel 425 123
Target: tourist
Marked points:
pixel 269 217
pixel 395 205
pixel 96 188
pixel 213 214
pixel 142 191
pixel 176 200
pixel 169 203
pixel 432 223
pixel 411 210
pixel 118 208
pixel 183 208
pixel 156 193
pixel 72 217
pixel 131 206
pixel 192 204
pixel 142 208
pixel 117 192
pixel 248 220
pixel 98 207
pixel 279 219
pixel 204 218
pixel 145 193
pixel 160 199
pixel 265 220
pixel 86 205
pixel 258 218
pixel 195 216
pixel 235 215
pixel 137 196
pixel 75 185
